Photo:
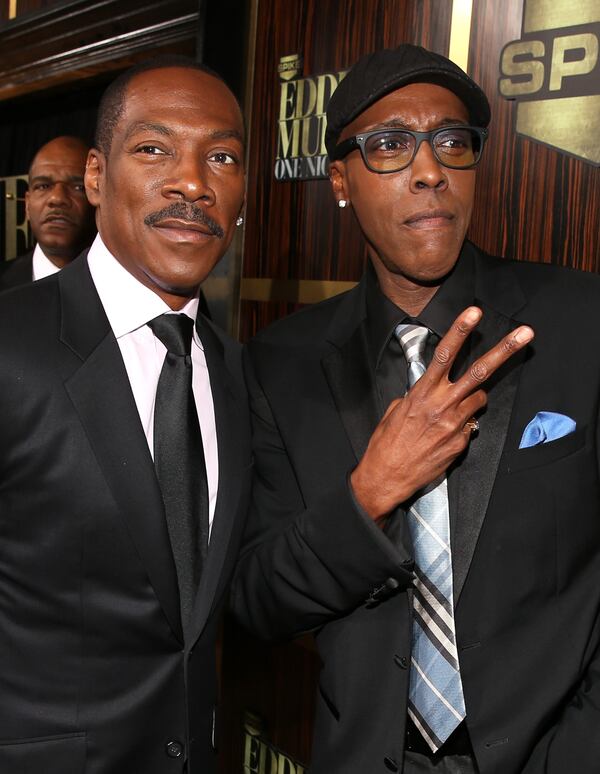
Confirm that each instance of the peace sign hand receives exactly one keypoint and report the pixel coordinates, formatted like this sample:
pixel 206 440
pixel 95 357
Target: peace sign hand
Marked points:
pixel 421 434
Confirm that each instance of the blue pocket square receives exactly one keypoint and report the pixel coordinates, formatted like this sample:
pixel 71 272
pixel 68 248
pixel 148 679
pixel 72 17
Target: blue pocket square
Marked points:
pixel 546 426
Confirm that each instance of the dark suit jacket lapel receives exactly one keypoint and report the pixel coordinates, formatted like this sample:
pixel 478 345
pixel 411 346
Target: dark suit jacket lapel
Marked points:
pixel 346 366
pixel 102 396
pixel 500 297
pixel 233 458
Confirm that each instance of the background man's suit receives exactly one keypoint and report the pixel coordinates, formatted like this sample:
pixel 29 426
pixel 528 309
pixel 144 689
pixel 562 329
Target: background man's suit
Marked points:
pixel 525 532
pixel 94 674
pixel 17 272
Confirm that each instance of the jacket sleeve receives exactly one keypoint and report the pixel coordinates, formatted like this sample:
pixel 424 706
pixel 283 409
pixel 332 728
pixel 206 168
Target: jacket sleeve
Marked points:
pixel 572 743
pixel 304 563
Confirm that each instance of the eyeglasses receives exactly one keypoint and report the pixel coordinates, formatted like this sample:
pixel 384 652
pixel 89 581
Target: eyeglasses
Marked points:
pixel 390 150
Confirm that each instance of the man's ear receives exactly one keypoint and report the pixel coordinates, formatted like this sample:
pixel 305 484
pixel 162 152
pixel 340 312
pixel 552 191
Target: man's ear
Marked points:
pixel 95 167
pixel 337 176
pixel 27 204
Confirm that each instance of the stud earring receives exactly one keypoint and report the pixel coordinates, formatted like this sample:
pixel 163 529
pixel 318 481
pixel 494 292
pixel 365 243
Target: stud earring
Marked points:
pixel 239 221
pixel 342 203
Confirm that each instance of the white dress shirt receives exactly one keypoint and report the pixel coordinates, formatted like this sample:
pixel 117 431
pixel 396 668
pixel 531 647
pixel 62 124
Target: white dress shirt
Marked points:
pixel 129 305
pixel 42 265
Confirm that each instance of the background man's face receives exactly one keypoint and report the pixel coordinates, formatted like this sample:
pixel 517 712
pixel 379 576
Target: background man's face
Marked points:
pixel 172 185
pixel 414 220
pixel 62 219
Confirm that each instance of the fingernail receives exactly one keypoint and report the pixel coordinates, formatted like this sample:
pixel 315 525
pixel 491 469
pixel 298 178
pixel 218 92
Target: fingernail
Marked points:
pixel 472 314
pixel 523 335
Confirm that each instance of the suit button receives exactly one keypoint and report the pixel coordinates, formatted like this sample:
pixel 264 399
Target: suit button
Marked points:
pixel 401 661
pixel 174 749
pixel 390 763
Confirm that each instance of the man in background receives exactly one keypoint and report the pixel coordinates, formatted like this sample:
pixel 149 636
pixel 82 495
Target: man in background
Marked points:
pixel 61 217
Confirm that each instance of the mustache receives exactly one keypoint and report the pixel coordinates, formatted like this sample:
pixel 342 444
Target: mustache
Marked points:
pixel 58 214
pixel 188 212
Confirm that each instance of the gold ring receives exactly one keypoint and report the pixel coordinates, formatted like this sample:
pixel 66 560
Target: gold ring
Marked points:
pixel 473 425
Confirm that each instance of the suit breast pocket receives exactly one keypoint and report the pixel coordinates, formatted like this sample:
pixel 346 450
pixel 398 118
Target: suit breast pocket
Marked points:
pixel 61 754
pixel 545 453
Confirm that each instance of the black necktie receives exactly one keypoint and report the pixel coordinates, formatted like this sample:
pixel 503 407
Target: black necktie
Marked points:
pixel 179 457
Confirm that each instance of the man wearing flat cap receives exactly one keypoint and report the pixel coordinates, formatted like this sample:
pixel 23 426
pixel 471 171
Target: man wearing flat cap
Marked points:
pixel 426 471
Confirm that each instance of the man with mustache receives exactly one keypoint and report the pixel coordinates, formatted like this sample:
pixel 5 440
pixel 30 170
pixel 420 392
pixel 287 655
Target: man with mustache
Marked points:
pixel 125 451
pixel 61 218
pixel 426 472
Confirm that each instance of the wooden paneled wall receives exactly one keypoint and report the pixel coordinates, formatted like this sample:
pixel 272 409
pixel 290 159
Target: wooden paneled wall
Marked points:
pixel 59 43
pixel 533 203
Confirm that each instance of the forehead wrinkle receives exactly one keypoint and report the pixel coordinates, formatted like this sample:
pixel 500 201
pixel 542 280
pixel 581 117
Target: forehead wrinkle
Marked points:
pixel 49 178
pixel 227 134
pixel 148 126
pixel 400 123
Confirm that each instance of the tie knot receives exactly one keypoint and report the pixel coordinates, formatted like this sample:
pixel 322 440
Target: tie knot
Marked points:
pixel 175 331
pixel 413 339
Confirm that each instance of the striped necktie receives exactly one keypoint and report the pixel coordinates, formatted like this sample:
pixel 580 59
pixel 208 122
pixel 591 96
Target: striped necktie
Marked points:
pixel 436 703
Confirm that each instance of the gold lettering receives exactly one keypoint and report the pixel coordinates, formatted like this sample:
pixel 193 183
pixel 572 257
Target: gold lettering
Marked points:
pixel 267 756
pixel 311 128
pixel 306 98
pixel 289 138
pixel 251 752
pixel 561 69
pixel 285 765
pixel 288 91
pixel 324 93
pixel 322 130
pixel 530 67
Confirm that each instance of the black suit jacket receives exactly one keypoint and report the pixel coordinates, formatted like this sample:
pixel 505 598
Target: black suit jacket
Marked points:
pixel 95 677
pixel 17 272
pixel 525 532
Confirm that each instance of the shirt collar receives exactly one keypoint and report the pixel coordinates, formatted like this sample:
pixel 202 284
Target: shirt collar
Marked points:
pixel 42 266
pixel 128 303
pixel 455 294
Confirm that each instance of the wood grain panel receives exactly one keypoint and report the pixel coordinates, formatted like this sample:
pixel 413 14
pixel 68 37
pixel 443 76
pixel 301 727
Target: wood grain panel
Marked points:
pixel 533 203
pixel 79 39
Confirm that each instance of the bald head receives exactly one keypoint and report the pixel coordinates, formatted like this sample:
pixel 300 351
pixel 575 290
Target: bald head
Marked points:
pixel 61 149
pixel 61 218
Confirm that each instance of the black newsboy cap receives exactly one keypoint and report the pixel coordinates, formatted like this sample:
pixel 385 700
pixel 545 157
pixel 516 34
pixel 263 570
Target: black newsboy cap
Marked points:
pixel 375 75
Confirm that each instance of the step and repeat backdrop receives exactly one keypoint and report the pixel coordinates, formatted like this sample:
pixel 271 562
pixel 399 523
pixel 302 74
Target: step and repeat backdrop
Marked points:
pixel 538 200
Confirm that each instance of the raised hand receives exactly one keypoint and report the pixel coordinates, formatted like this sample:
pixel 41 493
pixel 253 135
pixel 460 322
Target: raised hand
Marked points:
pixel 421 434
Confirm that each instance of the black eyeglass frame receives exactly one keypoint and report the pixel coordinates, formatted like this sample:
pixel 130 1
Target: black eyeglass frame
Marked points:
pixel 358 141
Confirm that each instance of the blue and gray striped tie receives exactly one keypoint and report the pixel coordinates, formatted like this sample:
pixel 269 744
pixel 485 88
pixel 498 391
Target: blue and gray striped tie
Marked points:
pixel 436 703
